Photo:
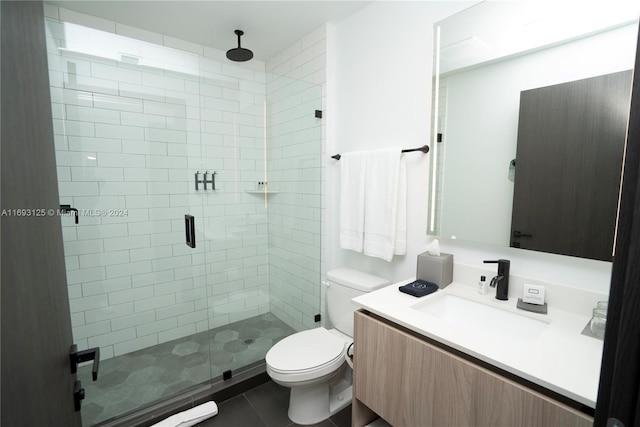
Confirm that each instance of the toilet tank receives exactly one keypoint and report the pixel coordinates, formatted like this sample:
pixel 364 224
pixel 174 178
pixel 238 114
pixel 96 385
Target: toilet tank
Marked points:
pixel 345 284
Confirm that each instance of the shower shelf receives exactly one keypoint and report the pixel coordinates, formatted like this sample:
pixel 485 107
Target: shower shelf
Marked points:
pixel 262 191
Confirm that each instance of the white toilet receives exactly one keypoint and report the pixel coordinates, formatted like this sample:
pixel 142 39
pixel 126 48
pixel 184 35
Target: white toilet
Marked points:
pixel 313 363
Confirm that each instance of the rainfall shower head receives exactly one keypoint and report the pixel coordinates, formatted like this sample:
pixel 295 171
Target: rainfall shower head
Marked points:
pixel 239 54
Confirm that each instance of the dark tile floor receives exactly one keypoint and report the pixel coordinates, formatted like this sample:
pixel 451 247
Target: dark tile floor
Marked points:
pixel 265 406
pixel 128 382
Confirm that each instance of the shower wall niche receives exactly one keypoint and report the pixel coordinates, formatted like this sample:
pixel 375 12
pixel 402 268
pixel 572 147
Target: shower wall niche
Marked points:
pixel 134 119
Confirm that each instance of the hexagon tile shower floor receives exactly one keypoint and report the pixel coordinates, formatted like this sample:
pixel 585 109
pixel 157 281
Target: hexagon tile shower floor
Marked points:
pixel 136 379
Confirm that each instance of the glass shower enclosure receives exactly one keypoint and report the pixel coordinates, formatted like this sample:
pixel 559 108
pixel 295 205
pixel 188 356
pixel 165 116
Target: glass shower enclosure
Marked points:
pixel 197 184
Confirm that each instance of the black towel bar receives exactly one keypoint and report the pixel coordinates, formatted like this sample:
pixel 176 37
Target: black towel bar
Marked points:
pixel 424 149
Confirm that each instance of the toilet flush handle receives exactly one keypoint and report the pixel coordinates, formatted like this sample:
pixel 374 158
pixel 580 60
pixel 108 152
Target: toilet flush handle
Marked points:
pixel 349 355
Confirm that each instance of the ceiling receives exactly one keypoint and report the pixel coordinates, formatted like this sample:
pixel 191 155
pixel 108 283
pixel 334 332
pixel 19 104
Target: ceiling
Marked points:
pixel 269 26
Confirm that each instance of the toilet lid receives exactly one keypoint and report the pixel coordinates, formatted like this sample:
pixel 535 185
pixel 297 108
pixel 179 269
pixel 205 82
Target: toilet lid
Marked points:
pixel 305 350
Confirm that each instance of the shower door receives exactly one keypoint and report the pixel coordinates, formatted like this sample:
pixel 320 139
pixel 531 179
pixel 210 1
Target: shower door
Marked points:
pixel 127 134
pixel 197 184
pixel 262 224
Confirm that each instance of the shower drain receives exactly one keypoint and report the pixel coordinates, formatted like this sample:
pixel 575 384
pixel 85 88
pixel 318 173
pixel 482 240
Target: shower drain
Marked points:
pixel 249 341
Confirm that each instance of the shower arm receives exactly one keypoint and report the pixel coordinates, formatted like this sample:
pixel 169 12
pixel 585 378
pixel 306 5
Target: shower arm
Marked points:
pixel 239 33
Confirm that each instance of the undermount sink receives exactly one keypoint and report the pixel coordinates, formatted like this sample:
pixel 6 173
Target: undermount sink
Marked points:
pixel 481 318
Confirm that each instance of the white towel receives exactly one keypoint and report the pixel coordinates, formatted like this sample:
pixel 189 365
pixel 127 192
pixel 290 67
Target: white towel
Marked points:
pixel 352 192
pixel 400 246
pixel 381 201
pixel 190 417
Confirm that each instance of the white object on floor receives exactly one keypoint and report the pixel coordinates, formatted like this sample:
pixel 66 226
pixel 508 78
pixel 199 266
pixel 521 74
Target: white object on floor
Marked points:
pixel 191 416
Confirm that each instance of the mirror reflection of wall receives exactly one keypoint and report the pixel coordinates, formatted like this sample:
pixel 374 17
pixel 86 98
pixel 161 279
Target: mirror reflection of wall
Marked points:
pixel 478 105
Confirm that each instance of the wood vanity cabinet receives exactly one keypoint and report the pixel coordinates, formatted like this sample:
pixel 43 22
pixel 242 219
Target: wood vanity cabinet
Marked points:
pixel 411 382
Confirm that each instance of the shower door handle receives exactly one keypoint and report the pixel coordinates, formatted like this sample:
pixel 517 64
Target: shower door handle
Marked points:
pixel 190 230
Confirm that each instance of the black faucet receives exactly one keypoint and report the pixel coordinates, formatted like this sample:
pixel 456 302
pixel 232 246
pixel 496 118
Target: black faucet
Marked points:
pixel 502 279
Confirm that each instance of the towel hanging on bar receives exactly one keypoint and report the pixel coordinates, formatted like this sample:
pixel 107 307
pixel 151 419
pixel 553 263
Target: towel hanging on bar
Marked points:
pixel 373 203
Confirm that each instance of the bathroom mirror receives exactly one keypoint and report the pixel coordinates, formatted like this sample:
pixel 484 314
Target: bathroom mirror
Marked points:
pixel 485 56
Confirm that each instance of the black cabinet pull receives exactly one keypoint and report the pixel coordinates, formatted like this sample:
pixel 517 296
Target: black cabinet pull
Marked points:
pixel 517 234
pixel 76 357
pixel 190 230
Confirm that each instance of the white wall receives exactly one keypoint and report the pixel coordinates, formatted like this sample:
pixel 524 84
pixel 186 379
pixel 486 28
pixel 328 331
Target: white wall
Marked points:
pixel 379 92
pixel 379 95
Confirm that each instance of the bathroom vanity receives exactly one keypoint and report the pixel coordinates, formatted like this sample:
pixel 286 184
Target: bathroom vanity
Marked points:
pixel 416 365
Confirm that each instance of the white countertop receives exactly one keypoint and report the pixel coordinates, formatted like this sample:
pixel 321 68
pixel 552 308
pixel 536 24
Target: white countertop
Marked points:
pixel 560 358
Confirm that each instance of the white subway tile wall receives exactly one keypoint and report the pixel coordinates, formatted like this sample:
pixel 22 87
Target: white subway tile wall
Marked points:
pixel 135 115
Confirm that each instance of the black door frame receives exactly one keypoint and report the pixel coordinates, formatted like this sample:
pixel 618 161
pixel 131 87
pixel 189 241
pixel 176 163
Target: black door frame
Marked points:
pixel 618 401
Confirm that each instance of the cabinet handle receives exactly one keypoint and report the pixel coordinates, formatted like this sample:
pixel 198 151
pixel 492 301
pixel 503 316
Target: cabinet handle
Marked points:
pixel 517 234
pixel 76 357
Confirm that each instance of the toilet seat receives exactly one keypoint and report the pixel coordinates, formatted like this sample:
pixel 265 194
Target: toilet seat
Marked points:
pixel 306 355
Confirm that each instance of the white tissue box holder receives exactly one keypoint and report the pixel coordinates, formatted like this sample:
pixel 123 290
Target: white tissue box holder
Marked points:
pixel 435 268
